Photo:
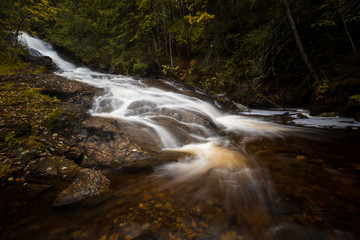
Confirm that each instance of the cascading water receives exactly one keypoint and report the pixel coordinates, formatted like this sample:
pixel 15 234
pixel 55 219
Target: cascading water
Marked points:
pixel 214 165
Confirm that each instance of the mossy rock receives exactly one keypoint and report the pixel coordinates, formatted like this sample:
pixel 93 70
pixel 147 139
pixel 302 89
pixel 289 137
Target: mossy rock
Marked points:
pixel 89 184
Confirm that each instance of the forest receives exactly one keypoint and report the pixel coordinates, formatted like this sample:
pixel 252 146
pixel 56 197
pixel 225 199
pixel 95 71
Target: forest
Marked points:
pixel 276 53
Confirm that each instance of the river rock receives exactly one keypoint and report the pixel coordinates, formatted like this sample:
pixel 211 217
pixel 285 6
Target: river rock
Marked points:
pixel 54 166
pixel 140 107
pixel 108 146
pixel 43 61
pixel 72 92
pixel 302 115
pixel 242 108
pixel 88 184
pixel 328 114
pixel 187 116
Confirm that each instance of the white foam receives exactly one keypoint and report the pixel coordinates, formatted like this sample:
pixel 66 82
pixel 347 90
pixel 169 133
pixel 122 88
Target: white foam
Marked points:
pixel 123 91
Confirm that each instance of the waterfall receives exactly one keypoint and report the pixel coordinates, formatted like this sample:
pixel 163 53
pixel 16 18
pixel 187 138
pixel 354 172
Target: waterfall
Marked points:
pixel 214 164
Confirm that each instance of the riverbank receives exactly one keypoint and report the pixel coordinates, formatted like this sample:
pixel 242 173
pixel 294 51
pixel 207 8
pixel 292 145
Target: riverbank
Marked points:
pixel 33 105
pixel 48 136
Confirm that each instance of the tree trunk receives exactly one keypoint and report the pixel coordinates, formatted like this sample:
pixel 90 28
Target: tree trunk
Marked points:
pixel 155 57
pixel 298 42
pixel 16 37
pixel 347 32
pixel 186 29
pixel 164 25
pixel 171 54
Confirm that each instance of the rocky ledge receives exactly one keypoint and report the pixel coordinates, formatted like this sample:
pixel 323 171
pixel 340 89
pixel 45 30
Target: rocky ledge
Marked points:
pixel 48 137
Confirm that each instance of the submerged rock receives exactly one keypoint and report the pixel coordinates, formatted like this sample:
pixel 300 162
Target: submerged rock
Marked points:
pixel 87 184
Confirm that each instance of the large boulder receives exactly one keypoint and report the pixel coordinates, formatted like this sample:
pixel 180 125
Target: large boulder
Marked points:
pixel 108 145
pixel 187 116
pixel 87 184
pixel 42 61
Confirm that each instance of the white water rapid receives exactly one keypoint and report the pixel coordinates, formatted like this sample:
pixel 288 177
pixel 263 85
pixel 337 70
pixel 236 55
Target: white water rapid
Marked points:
pixel 181 122
pixel 132 100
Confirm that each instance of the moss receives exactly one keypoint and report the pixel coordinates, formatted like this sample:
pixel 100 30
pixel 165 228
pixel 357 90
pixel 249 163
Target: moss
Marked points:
pixel 34 94
pixel 41 70
pixel 27 109
pixel 32 142
pixel 9 67
pixel 10 140
pixel 6 170
pixel 50 120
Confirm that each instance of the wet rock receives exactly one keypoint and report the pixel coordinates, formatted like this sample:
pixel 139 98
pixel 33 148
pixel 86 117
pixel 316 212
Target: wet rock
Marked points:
pixel 302 116
pixel 43 61
pixel 140 107
pixel 316 110
pixel 241 107
pixel 108 105
pixel 108 146
pixel 88 184
pixel 327 114
pixel 191 91
pixel 179 129
pixel 66 90
pixel 76 154
pixel 26 156
pixel 187 116
pixel 54 166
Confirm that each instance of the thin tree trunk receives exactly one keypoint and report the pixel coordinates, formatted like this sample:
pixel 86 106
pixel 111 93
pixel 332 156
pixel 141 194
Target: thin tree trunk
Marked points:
pixel 170 48
pixel 16 37
pixel 298 42
pixel 347 32
pixel 241 26
pixel 164 24
pixel 155 57
pixel 186 28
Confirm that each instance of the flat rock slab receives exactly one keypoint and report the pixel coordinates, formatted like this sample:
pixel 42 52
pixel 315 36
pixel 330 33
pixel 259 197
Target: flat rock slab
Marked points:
pixel 54 166
pixel 87 184
pixel 109 146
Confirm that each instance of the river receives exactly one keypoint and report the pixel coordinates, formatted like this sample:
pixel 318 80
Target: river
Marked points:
pixel 257 175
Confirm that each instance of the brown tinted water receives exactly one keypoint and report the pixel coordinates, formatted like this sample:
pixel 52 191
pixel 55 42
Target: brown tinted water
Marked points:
pixel 301 186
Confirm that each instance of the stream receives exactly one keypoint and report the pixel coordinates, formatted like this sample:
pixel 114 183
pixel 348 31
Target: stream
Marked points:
pixel 266 174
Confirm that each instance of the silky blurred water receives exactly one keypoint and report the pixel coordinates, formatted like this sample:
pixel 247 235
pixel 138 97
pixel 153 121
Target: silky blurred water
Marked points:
pixel 243 176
